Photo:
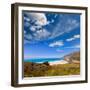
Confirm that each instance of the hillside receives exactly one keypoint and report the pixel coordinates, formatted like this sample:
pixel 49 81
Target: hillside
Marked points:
pixel 73 57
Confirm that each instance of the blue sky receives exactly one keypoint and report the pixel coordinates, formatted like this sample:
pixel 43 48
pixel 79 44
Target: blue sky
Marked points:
pixel 48 35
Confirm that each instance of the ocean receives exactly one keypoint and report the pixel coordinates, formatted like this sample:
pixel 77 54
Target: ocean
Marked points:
pixel 41 60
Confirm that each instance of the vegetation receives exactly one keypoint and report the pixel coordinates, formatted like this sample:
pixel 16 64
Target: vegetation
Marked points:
pixel 64 69
pixel 47 70
pixel 44 69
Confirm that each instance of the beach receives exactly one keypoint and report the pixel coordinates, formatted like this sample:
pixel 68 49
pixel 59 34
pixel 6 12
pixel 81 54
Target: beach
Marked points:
pixel 58 62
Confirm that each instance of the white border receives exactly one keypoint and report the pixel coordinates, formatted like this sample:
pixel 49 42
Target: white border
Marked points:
pixel 56 78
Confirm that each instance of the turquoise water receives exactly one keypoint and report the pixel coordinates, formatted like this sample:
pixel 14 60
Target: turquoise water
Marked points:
pixel 38 60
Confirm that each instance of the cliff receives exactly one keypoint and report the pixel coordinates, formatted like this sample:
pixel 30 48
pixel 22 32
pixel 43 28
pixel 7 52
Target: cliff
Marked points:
pixel 73 57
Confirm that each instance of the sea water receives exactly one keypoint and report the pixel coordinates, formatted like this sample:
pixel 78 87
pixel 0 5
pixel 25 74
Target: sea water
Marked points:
pixel 40 60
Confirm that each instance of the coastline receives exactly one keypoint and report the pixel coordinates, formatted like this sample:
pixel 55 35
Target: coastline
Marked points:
pixel 58 62
pixel 55 62
pixel 62 61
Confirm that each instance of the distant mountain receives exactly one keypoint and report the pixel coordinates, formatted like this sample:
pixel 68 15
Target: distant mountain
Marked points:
pixel 73 57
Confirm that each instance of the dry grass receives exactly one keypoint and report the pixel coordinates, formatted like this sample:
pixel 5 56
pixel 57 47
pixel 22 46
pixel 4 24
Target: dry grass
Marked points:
pixel 64 69
pixel 37 70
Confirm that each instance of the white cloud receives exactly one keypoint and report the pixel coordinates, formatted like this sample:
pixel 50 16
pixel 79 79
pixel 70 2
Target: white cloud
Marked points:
pixel 41 34
pixel 73 38
pixel 27 24
pixel 27 19
pixel 32 28
pixel 76 46
pixel 38 18
pixel 24 32
pixel 57 43
pixel 35 28
pixel 26 41
pixel 48 22
pixel 52 21
pixel 28 36
pixel 77 36
pixel 55 15
pixel 64 26
pixel 38 32
pixel 70 39
pixel 71 24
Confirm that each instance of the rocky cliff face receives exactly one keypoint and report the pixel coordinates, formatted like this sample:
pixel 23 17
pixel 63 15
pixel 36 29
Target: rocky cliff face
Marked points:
pixel 73 57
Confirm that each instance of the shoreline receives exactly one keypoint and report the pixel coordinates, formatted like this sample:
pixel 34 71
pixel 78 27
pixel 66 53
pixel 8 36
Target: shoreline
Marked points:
pixel 55 62
pixel 58 62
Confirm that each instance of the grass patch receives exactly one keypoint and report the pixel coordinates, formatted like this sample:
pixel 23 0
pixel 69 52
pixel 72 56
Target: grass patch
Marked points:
pixel 55 70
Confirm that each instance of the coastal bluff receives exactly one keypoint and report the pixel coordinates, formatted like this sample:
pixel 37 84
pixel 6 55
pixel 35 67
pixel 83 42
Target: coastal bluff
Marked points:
pixel 73 57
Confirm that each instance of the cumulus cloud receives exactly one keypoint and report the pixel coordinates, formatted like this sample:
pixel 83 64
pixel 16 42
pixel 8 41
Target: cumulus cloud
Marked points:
pixel 39 27
pixel 38 35
pixel 73 38
pixel 38 18
pixel 41 34
pixel 57 43
pixel 33 28
pixel 37 21
pixel 26 19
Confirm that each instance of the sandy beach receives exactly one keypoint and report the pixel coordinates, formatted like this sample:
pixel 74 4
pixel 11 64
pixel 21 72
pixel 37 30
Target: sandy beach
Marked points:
pixel 58 62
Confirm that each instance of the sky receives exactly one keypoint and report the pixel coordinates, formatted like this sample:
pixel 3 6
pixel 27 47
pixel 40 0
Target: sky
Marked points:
pixel 50 35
